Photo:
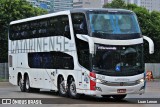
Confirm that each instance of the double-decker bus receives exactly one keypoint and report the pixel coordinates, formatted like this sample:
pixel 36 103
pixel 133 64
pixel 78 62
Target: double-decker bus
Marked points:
pixel 79 51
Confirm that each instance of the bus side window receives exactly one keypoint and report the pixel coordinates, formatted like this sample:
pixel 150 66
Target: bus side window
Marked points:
pixel 59 26
pixel 60 57
pixel 80 27
pixel 12 32
pixel 43 28
pixel 50 60
pixel 52 26
pixel 79 23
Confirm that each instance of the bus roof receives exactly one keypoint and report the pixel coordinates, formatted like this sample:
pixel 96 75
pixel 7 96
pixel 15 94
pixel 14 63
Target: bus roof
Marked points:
pixel 99 9
pixel 68 12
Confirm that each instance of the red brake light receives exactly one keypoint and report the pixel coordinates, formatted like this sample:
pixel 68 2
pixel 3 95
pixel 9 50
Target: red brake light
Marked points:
pixel 92 83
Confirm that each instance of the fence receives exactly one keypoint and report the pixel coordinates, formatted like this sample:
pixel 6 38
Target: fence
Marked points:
pixel 4 74
pixel 154 67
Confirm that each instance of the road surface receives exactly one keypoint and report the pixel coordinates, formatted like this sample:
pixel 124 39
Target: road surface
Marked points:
pixel 9 91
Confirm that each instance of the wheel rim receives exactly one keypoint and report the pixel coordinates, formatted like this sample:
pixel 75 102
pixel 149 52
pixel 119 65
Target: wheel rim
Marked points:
pixel 62 87
pixel 27 83
pixel 73 88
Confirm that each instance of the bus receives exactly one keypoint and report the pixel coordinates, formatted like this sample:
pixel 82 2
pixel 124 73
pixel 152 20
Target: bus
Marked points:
pixel 97 52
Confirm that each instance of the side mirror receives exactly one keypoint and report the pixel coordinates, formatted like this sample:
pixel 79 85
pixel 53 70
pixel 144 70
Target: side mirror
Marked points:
pixel 89 40
pixel 151 44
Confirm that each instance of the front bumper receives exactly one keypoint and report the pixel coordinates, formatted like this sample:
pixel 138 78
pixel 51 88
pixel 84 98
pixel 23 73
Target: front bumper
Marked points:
pixel 112 90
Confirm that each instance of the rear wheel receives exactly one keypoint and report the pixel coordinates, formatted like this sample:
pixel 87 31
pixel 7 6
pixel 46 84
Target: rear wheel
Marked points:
pixel 119 97
pixel 61 87
pixel 106 96
pixel 72 89
pixel 21 84
pixel 35 90
pixel 27 85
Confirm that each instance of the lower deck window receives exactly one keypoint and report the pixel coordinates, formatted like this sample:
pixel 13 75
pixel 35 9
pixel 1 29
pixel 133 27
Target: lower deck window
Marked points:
pixel 50 60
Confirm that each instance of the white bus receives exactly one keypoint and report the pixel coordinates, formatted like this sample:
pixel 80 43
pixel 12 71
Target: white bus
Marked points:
pixel 79 51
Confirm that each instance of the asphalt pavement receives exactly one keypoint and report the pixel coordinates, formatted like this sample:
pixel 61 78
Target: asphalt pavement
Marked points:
pixel 7 90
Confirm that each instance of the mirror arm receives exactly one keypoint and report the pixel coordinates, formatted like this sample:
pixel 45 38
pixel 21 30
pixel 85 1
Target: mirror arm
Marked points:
pixel 151 44
pixel 89 40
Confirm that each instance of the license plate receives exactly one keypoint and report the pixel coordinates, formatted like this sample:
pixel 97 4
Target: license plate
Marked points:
pixel 121 90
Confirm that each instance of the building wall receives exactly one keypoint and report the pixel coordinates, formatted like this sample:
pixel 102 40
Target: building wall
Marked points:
pixel 154 67
pixel 87 3
pixel 60 5
pixel 45 4
pixel 151 4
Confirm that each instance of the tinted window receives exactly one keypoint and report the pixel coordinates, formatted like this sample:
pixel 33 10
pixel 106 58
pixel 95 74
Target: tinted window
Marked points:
pixel 54 26
pixel 79 23
pixel 50 60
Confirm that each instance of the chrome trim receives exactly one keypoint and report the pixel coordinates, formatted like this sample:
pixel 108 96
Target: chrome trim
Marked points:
pixel 130 83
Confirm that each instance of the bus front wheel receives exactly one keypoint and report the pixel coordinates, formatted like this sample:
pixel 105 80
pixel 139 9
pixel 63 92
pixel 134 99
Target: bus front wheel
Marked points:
pixel 72 89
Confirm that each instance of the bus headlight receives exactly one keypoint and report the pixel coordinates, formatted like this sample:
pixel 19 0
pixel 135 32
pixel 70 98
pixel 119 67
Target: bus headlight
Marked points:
pixel 98 81
pixel 141 80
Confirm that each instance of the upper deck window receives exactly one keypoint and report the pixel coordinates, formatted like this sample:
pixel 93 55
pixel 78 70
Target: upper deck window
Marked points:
pixel 113 23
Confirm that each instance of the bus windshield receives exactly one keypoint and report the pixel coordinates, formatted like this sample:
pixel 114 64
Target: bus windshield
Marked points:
pixel 113 23
pixel 118 60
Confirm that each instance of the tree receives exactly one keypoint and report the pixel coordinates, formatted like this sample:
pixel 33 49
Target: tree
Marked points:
pixel 149 23
pixel 115 4
pixel 13 10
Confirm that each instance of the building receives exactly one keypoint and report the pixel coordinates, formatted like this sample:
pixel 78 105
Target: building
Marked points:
pixel 60 5
pixel 137 2
pixel 45 4
pixel 87 3
pixel 52 5
pixel 151 4
pixel 148 4
pixel 105 2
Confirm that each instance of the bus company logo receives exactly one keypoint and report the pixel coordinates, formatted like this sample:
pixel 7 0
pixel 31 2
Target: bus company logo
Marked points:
pixel 106 48
pixel 6 101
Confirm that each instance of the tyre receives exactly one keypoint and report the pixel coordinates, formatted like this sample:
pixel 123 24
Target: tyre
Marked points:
pixel 27 85
pixel 106 96
pixel 119 97
pixel 72 89
pixel 35 90
pixel 61 87
pixel 21 84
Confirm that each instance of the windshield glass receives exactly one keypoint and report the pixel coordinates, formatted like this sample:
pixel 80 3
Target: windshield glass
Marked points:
pixel 118 60
pixel 114 23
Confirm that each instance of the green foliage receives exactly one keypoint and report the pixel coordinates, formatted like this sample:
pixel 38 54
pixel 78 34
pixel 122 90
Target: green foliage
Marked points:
pixel 150 26
pixel 13 10
pixel 115 4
